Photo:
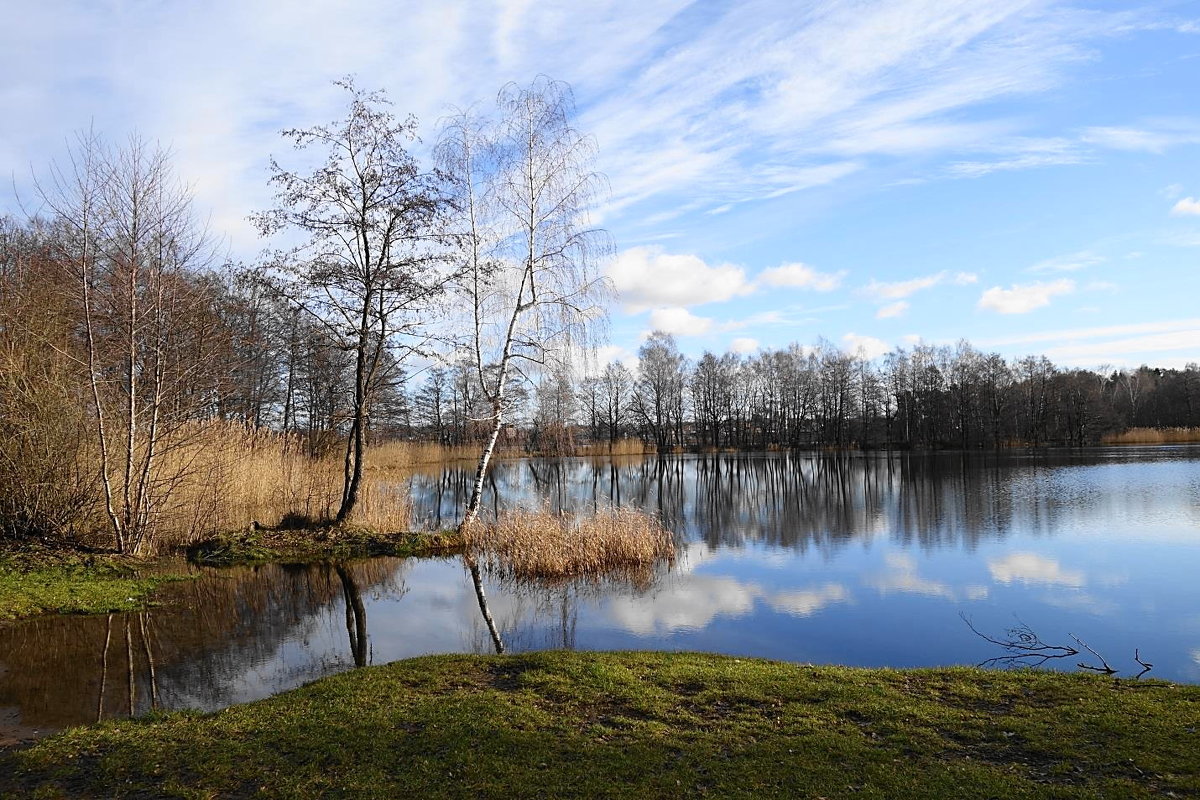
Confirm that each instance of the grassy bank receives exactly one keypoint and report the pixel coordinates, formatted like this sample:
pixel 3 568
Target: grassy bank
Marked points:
pixel 40 580
pixel 321 544
pixel 644 724
pixel 35 579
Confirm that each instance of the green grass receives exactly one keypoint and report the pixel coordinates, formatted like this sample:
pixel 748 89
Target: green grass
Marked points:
pixel 564 724
pixel 38 580
pixel 318 544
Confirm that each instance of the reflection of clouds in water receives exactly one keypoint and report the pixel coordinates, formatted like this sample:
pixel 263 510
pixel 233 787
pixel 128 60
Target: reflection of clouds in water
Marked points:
pixel 690 604
pixel 808 602
pixel 694 601
pixel 901 576
pixel 1079 600
pixel 1032 568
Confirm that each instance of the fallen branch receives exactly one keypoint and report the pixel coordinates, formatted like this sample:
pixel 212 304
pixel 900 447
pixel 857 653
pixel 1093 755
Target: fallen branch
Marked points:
pixel 1025 648
pixel 1146 666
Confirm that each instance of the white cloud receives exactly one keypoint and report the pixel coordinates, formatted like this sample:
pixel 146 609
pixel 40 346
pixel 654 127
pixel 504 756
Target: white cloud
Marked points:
pixel 896 309
pixel 1072 262
pixel 869 346
pixel 743 344
pixel 1106 331
pixel 898 290
pixel 1150 139
pixel 1021 299
pixel 679 321
pixel 1111 351
pixel 1055 154
pixel 801 276
pixel 965 278
pixel 648 276
pixel 1187 206
pixel 1032 568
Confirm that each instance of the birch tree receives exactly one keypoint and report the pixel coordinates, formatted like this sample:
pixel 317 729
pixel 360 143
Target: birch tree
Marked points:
pixel 524 186
pixel 131 244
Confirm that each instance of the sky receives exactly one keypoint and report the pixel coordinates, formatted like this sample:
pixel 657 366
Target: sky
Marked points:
pixel 1024 174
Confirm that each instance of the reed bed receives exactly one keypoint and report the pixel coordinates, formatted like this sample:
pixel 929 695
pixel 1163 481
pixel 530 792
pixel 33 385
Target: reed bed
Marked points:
pixel 1154 436
pixel 404 456
pixel 621 447
pixel 228 476
pixel 529 545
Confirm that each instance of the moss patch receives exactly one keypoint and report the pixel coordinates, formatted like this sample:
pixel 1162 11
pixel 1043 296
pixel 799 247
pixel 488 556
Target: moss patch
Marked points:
pixel 646 725
pixel 38 580
pixel 319 544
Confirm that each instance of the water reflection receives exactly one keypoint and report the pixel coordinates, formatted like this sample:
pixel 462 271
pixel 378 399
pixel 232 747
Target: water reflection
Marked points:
pixel 201 651
pixel 803 501
pixel 859 560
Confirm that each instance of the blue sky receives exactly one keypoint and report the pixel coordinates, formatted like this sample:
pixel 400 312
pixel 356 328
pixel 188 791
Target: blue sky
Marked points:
pixel 1021 173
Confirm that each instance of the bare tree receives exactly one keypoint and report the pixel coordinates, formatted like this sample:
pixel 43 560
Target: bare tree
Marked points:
pixel 132 245
pixel 368 268
pixel 524 186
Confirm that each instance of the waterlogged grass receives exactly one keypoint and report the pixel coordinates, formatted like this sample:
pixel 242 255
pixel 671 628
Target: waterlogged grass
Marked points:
pixel 318 544
pixel 646 725
pixel 43 581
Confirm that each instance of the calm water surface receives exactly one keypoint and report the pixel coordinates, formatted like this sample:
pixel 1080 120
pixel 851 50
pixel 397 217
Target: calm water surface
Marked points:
pixel 866 560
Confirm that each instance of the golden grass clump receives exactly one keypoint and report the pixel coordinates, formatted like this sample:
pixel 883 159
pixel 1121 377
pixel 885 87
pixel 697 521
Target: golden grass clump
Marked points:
pixel 1154 436
pixel 543 544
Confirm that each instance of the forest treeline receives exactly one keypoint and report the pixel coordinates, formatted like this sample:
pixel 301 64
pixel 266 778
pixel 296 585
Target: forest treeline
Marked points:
pixel 145 383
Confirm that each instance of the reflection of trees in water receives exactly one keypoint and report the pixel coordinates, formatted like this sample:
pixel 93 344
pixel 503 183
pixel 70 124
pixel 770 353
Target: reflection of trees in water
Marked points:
pixel 796 500
pixel 539 615
pixel 204 649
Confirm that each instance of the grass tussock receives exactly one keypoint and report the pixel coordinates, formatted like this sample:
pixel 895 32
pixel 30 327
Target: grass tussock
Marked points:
pixel 1154 436
pixel 545 545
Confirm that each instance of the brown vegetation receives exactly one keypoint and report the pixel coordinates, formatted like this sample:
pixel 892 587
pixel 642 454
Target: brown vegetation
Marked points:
pixel 543 544
pixel 1154 436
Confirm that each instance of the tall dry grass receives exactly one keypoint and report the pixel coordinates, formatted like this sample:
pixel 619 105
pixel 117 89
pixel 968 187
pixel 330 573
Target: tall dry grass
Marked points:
pixel 621 447
pixel 1154 436
pixel 546 545
pixel 406 456
pixel 226 476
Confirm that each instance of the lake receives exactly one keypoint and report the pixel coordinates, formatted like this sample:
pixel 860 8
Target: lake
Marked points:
pixel 862 559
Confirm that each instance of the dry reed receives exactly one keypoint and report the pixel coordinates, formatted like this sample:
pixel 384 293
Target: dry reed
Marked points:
pixel 545 545
pixel 228 476
pixel 621 447
pixel 1154 436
